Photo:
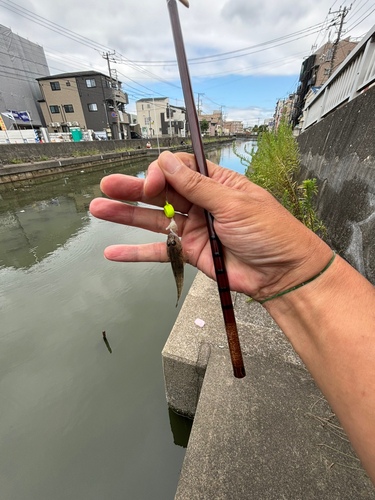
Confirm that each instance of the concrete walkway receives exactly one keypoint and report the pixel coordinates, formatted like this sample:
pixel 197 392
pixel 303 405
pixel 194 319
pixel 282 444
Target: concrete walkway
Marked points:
pixel 270 435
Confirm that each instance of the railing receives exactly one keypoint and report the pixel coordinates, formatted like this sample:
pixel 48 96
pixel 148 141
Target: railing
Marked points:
pixel 353 76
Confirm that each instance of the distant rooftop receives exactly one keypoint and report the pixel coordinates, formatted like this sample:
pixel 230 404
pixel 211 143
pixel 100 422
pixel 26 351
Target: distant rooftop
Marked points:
pixel 148 99
pixel 73 74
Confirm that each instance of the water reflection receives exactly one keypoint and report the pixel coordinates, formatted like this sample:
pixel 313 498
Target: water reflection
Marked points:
pixel 38 218
pixel 180 427
pixel 75 421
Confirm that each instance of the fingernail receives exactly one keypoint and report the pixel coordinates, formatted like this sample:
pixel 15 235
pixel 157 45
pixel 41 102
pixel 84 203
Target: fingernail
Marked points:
pixel 170 164
pixel 102 183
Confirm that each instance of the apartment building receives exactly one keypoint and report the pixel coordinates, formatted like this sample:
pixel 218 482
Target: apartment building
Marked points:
pixel 234 127
pixel 156 116
pixel 317 68
pixel 216 122
pixel 88 99
pixel 285 108
pixel 324 61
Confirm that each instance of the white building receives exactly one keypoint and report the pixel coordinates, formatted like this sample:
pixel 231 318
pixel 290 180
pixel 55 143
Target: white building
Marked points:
pixel 157 117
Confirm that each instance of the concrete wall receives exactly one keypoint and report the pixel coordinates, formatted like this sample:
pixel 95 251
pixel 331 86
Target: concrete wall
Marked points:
pixel 33 152
pixel 340 152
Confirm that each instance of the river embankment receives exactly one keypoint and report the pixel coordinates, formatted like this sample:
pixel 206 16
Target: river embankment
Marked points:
pixel 268 435
pixel 22 162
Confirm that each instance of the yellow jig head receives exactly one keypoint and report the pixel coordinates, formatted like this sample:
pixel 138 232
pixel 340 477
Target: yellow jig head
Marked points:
pixel 168 210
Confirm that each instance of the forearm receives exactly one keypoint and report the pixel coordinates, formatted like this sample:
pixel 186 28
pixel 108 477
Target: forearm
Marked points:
pixel 331 325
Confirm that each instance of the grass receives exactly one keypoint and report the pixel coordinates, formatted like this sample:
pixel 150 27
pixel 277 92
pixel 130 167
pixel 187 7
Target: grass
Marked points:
pixel 85 153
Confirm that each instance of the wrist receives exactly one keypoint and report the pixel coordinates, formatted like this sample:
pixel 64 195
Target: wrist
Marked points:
pixel 309 259
pixel 299 312
pixel 306 282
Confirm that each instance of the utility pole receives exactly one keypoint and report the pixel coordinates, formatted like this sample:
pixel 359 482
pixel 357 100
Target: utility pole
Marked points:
pixel 169 116
pixel 149 123
pixel 342 14
pixel 106 55
pixel 222 119
pixel 199 94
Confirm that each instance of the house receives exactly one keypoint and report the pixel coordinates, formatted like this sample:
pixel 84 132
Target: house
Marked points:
pixel 21 62
pixel 157 117
pixel 87 99
pixel 216 122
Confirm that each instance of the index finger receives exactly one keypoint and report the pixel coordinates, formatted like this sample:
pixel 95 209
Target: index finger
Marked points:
pixel 128 188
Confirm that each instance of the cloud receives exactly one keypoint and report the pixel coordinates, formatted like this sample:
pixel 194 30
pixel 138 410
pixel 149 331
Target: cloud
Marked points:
pixel 140 30
pixel 251 115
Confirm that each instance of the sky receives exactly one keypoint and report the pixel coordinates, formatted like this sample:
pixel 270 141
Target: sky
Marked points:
pixel 243 55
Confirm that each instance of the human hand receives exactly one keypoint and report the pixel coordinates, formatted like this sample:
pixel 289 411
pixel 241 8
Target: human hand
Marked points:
pixel 266 249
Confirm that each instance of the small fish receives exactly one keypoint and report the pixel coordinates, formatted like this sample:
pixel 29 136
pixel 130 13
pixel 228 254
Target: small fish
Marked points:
pixel 174 250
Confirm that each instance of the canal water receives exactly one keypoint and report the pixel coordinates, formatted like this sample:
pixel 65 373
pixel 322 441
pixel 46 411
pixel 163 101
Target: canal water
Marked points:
pixel 76 421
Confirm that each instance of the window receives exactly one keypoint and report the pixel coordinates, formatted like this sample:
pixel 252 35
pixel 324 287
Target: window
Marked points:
pixel 93 107
pixel 55 109
pixel 329 55
pixel 90 82
pixel 68 84
pixel 55 85
pixel 68 108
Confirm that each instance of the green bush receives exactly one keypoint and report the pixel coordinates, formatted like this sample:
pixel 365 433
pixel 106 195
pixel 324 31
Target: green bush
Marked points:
pixel 275 166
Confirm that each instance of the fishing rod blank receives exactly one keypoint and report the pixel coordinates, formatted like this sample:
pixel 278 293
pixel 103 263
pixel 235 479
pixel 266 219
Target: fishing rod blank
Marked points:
pixel 216 247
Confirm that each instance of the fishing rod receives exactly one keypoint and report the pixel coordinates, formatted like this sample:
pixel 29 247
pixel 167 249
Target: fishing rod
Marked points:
pixel 216 246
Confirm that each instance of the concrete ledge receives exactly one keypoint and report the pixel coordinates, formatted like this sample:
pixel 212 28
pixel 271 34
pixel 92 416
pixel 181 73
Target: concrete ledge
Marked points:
pixel 182 355
pixel 23 171
pixel 260 438
pixel 268 436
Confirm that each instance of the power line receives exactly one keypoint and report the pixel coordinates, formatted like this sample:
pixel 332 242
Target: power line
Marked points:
pixel 351 27
pixel 220 55
pixel 21 11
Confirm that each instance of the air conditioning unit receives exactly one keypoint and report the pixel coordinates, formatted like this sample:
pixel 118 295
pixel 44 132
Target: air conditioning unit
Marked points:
pixel 51 125
pixel 56 124
pixel 75 124
pixel 68 124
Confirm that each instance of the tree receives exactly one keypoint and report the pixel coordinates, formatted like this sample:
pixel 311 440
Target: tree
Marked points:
pixel 204 126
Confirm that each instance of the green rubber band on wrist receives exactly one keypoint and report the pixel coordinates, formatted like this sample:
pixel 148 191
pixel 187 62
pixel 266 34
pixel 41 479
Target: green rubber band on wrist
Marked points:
pixel 302 284
pixel 169 210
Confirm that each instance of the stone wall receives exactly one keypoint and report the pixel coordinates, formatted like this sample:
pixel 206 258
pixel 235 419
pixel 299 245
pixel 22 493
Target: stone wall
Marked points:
pixel 339 152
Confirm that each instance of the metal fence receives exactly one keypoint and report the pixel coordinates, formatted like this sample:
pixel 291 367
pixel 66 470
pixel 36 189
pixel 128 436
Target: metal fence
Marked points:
pixel 352 77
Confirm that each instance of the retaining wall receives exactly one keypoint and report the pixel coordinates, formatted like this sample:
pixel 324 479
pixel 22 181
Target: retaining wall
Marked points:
pixel 18 173
pixel 340 152
pixel 53 150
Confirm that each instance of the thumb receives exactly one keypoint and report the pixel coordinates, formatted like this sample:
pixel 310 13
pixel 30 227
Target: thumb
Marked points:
pixel 195 187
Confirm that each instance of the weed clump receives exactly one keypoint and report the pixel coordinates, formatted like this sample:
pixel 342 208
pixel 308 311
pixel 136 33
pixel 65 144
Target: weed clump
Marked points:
pixel 275 166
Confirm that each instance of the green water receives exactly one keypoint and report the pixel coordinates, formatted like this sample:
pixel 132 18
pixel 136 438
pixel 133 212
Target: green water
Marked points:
pixel 77 422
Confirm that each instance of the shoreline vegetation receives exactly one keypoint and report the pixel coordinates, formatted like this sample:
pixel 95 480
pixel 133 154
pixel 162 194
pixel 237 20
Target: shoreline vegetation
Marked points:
pixel 275 166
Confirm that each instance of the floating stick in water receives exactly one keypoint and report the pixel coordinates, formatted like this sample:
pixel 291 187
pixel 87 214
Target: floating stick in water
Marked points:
pixel 106 342
pixel 216 247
